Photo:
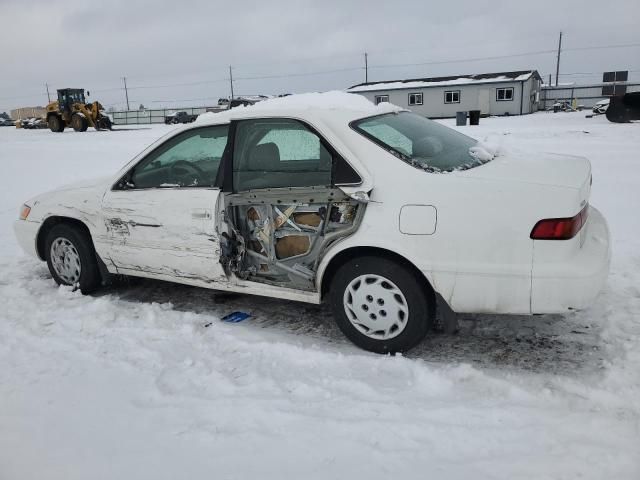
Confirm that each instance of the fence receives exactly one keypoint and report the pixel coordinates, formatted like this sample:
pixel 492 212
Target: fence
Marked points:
pixel 131 117
pixel 585 95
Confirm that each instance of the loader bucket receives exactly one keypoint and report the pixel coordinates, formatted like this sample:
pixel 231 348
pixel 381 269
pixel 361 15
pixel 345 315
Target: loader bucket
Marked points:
pixel 624 108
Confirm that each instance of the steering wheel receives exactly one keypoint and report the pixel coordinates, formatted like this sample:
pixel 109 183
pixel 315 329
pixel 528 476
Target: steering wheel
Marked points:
pixel 184 169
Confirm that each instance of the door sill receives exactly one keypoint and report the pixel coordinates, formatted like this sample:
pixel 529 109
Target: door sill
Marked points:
pixel 232 285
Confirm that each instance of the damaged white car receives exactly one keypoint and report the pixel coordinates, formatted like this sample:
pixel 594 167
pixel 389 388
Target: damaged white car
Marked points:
pixel 376 210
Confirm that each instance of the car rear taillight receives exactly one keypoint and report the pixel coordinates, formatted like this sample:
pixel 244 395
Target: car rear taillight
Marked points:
pixel 560 228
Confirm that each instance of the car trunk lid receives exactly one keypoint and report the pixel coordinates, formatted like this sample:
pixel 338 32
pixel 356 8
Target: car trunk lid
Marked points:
pixel 544 169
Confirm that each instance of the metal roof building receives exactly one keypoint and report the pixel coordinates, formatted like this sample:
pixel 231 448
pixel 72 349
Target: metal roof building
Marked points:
pixel 502 93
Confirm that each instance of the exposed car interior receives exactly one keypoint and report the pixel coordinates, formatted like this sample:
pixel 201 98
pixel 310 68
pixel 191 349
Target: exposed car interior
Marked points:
pixel 278 237
pixel 283 212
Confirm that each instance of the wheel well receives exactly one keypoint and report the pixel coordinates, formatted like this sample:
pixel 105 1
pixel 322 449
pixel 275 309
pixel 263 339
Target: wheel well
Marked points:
pixel 355 252
pixel 49 223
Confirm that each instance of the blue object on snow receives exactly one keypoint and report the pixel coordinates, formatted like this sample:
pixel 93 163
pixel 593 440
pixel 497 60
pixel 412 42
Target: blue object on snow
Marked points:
pixel 235 317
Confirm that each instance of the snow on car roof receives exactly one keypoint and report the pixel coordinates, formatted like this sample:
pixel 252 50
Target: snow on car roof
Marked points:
pixel 301 105
pixel 444 81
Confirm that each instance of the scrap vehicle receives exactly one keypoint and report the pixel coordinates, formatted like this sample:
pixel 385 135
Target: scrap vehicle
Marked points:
pixel 71 109
pixel 241 101
pixel 379 212
pixel 33 123
pixel 600 108
pixel 179 117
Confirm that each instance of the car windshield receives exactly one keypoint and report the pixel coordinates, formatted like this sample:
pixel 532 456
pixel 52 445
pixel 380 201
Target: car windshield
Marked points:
pixel 422 142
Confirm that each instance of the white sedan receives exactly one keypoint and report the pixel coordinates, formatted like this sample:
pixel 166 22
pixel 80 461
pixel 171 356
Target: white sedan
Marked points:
pixel 378 211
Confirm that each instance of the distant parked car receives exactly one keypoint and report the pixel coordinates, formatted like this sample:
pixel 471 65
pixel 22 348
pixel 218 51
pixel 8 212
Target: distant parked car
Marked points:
pixel 376 211
pixel 6 122
pixel 243 101
pixel 24 122
pixel 179 117
pixel 600 108
pixel 34 123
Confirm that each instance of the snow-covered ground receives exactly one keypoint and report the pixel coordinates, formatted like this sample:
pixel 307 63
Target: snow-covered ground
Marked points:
pixel 145 382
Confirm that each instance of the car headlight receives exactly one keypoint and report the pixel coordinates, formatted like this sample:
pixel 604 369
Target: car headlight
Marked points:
pixel 24 212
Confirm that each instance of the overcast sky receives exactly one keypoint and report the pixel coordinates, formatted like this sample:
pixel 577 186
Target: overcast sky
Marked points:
pixel 177 52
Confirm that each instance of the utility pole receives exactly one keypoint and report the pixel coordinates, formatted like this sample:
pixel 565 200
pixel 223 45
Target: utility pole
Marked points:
pixel 366 68
pixel 48 96
pixel 231 80
pixel 126 92
pixel 549 80
pixel 558 61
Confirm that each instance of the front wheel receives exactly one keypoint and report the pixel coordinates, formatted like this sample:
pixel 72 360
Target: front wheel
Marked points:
pixel 71 258
pixel 381 305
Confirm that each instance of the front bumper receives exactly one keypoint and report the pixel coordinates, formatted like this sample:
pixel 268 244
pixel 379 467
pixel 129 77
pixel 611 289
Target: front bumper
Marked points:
pixel 27 234
pixel 569 277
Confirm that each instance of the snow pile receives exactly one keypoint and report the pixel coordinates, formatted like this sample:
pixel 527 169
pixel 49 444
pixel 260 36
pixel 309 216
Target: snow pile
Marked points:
pixel 485 151
pixel 332 100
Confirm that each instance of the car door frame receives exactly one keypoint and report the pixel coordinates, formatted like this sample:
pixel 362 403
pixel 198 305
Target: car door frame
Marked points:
pixel 224 178
pixel 111 239
pixel 276 194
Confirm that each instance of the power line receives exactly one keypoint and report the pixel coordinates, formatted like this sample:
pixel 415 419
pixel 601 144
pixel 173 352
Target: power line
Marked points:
pixel 590 73
pixel 189 84
pixel 99 90
pixel 444 62
pixel 307 74
pixel 599 47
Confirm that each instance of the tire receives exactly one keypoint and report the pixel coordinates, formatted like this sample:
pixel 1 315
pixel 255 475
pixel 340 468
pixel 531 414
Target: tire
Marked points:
pixel 78 265
pixel 55 123
pixel 79 123
pixel 381 293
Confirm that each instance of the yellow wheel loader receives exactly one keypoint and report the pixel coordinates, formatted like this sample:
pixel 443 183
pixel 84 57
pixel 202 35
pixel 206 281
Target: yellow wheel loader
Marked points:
pixel 72 110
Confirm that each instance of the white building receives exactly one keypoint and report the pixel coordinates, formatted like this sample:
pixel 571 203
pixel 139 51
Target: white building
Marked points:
pixel 503 93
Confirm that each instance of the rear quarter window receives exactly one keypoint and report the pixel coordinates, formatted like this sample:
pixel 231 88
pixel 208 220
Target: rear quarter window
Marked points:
pixel 421 142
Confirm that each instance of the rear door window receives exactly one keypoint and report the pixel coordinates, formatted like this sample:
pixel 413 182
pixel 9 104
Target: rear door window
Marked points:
pixel 276 153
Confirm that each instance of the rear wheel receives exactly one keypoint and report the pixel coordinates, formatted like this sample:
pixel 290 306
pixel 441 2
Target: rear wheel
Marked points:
pixel 79 122
pixel 71 258
pixel 381 305
pixel 55 123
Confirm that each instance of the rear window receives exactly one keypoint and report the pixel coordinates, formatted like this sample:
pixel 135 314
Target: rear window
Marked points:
pixel 421 142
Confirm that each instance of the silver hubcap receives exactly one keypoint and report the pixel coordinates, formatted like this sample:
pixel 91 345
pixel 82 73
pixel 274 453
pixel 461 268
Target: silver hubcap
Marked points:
pixel 65 260
pixel 376 307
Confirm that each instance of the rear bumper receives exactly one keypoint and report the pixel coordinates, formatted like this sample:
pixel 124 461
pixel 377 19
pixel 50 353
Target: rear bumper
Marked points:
pixel 26 234
pixel 568 278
